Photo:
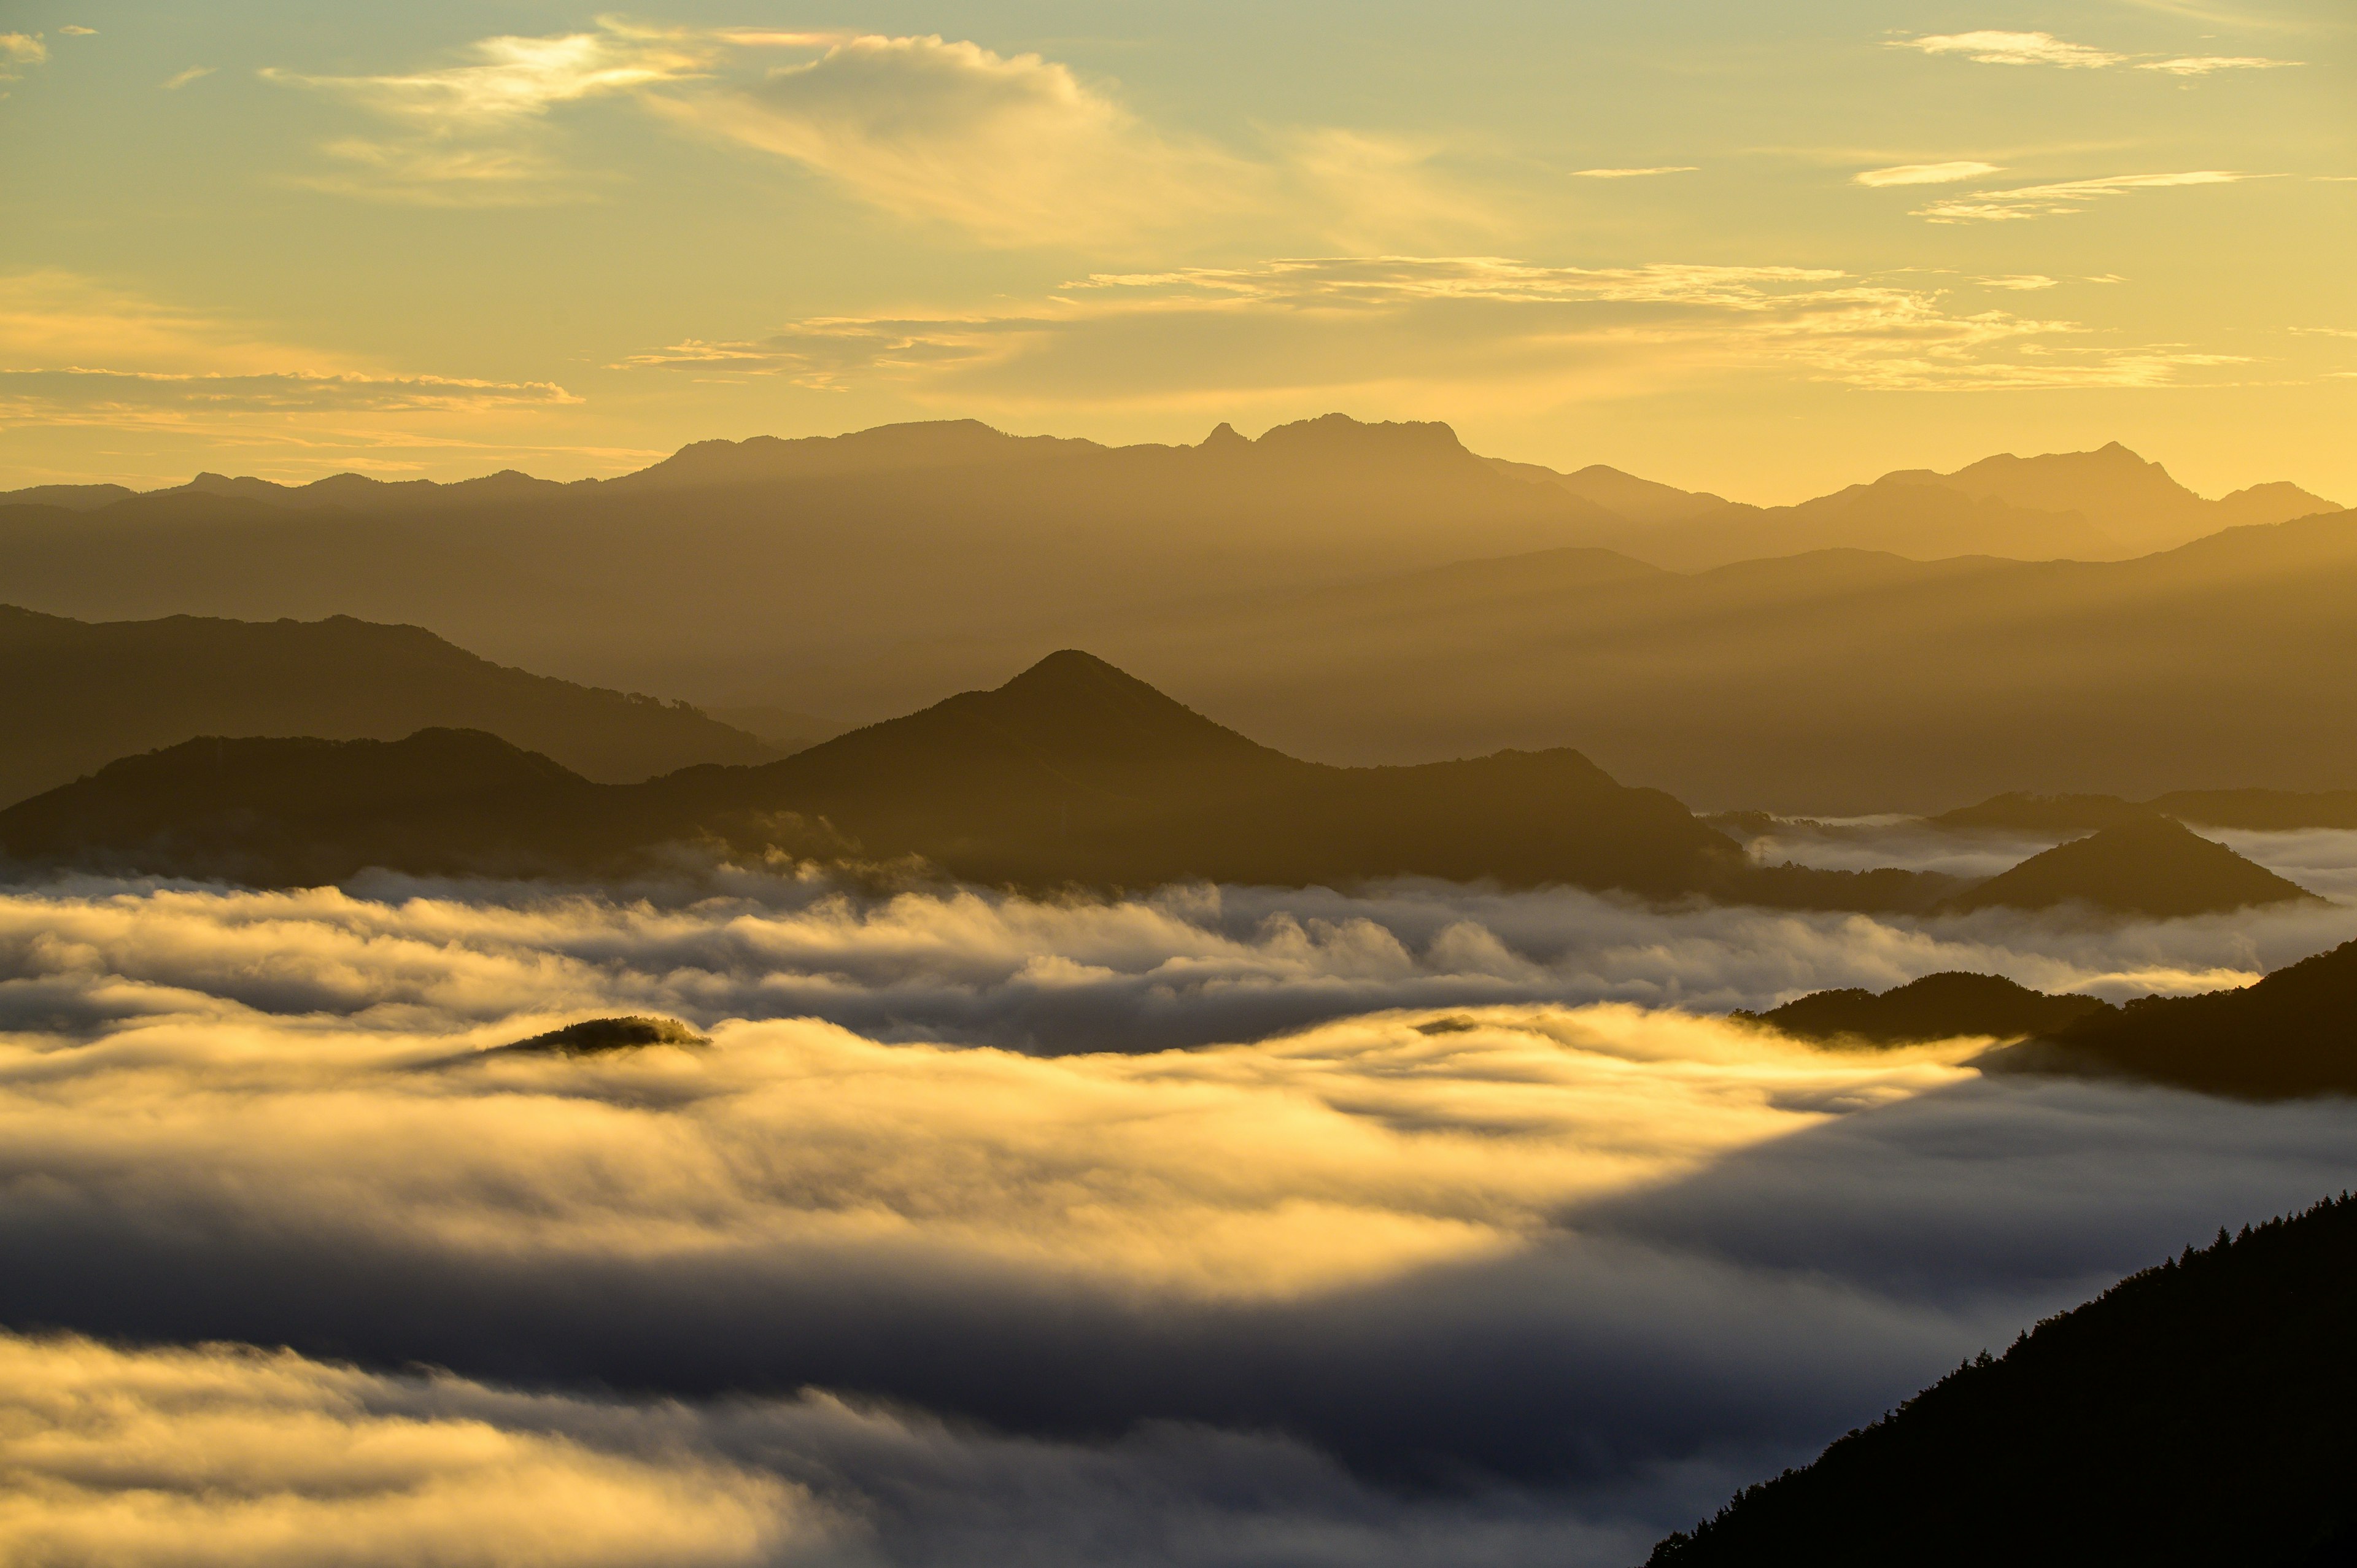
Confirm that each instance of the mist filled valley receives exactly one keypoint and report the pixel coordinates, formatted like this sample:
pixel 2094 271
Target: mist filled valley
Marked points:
pixel 1180 786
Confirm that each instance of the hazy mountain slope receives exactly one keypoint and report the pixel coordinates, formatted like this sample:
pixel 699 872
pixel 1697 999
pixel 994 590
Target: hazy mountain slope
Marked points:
pixel 73 497
pixel 1071 773
pixel 2194 1414
pixel 1625 495
pixel 1843 681
pixel 2134 502
pixel 2106 505
pixel 75 695
pixel 2289 1034
pixel 740 571
pixel 2154 866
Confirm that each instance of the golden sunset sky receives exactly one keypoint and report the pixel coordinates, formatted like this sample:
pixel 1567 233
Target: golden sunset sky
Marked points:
pixel 1761 248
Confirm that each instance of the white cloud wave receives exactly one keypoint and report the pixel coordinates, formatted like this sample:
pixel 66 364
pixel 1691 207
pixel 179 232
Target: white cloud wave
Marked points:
pixel 1615 1260
pixel 1633 173
pixel 192 1458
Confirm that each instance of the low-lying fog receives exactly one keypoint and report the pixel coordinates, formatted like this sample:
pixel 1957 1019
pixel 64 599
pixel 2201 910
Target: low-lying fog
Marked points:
pixel 1428 1226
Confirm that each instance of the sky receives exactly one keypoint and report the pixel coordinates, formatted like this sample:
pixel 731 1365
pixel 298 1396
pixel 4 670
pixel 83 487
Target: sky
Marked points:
pixel 1761 248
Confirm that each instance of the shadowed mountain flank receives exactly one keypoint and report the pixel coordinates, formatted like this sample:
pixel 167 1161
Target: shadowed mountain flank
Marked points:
pixel 74 696
pixel 2153 866
pixel 1072 774
pixel 2195 1414
pixel 1936 1007
pixel 2289 1035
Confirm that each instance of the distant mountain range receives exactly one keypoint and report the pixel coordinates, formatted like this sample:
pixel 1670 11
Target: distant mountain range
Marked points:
pixel 2195 1414
pixel 2106 505
pixel 74 696
pixel 1360 594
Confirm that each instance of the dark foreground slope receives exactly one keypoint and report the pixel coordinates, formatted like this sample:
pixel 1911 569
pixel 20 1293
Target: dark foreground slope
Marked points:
pixel 2293 1033
pixel 1071 774
pixel 2196 1413
pixel 2154 866
pixel 74 696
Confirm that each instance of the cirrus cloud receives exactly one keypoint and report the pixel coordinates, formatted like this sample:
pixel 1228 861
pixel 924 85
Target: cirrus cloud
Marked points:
pixel 1481 329
pixel 1993 47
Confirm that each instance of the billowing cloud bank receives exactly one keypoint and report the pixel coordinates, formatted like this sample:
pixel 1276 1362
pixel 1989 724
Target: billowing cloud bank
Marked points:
pixel 1449 1257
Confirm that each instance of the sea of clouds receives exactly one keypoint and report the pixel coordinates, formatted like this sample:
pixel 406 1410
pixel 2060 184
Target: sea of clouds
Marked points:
pixel 1423 1225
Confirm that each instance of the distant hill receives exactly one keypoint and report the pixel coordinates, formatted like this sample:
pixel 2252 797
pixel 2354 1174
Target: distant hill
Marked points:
pixel 2289 1034
pixel 1071 774
pixel 2106 505
pixel 75 695
pixel 1936 1007
pixel 2264 811
pixel 2195 1414
pixel 2153 866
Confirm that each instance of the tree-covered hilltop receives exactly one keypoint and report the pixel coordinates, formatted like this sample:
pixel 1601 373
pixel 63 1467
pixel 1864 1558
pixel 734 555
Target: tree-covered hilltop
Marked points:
pixel 2195 1414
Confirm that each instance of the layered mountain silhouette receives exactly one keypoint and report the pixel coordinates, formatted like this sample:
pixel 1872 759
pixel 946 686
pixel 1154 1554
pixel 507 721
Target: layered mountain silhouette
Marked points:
pixel 1071 774
pixel 74 696
pixel 2194 1414
pixel 1356 593
pixel 1943 1007
pixel 2277 810
pixel 2153 866
pixel 1840 683
pixel 2289 1034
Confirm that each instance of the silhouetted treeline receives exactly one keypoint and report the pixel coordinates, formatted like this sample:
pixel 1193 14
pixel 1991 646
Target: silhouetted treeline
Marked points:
pixel 1935 1007
pixel 2197 1413
pixel 2293 1033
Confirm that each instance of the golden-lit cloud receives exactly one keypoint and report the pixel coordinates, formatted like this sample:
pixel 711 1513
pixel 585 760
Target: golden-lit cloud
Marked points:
pixel 174 83
pixel 223 1457
pixel 1016 150
pixel 73 350
pixel 2065 198
pixel 2203 65
pixel 1474 328
pixel 1633 173
pixel 1925 174
pixel 514 79
pixel 2045 48
pixel 1007 150
pixel 19 50
pixel 1990 47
